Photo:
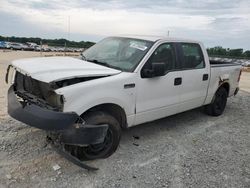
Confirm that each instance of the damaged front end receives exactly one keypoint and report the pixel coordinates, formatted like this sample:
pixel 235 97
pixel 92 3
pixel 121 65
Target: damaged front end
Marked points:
pixel 36 104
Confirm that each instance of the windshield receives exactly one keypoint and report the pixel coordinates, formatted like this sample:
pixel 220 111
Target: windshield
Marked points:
pixel 117 52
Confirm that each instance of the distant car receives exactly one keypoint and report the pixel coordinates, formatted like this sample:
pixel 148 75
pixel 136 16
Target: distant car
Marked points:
pixel 46 49
pixel 52 49
pixel 79 50
pixel 41 48
pixel 246 64
pixel 69 49
pixel 38 48
pixel 31 45
pixel 18 46
pixel 2 44
pixel 7 45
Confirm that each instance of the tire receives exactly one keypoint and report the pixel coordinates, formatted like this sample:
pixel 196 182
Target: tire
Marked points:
pixel 217 107
pixel 111 141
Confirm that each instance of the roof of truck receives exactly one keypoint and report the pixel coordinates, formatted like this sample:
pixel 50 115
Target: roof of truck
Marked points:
pixel 154 38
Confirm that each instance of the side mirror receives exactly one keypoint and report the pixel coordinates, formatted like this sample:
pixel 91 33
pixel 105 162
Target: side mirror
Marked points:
pixel 158 69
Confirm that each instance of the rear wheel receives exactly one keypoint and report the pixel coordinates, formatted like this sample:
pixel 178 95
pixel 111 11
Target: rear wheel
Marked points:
pixel 218 104
pixel 111 141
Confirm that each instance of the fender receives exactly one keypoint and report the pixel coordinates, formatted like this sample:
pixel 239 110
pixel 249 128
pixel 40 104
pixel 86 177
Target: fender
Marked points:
pixel 130 112
pixel 82 96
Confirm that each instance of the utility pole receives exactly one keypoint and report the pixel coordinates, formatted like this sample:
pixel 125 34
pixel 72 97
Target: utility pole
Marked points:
pixel 68 27
pixel 68 35
pixel 41 44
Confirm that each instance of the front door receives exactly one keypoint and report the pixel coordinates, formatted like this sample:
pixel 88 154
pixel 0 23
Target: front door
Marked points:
pixel 158 97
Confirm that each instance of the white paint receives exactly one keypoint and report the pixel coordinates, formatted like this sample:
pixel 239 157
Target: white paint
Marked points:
pixel 49 69
pixel 153 98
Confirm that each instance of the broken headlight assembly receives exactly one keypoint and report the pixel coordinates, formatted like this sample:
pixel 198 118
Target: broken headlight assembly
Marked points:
pixel 55 100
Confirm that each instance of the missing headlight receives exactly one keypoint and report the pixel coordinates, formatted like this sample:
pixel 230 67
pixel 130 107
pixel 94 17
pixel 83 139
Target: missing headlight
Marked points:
pixel 55 100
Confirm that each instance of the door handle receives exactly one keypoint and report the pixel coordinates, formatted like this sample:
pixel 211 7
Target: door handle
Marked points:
pixel 205 77
pixel 127 86
pixel 177 81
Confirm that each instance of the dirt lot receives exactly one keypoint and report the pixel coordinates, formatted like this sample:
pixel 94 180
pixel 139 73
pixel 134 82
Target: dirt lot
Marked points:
pixel 186 150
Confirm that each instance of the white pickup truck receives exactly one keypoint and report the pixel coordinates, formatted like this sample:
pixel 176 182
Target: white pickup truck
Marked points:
pixel 118 83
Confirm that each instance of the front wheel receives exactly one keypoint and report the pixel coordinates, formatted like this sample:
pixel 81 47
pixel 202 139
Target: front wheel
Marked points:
pixel 111 141
pixel 218 104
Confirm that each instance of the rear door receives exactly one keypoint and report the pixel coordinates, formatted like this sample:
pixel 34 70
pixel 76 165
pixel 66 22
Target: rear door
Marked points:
pixel 194 75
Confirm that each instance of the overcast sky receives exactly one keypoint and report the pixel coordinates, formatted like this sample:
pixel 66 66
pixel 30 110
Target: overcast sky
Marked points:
pixel 222 22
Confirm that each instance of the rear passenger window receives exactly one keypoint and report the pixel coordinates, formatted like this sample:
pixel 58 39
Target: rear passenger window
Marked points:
pixel 192 56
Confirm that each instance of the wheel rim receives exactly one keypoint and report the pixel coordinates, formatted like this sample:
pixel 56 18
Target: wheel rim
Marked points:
pixel 97 149
pixel 92 151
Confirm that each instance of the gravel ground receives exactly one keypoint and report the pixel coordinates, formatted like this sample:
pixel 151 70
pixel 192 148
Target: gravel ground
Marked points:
pixel 190 149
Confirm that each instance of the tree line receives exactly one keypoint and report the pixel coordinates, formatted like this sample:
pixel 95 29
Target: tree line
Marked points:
pixel 219 51
pixel 50 42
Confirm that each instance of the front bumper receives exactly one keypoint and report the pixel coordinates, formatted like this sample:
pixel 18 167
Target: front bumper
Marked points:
pixel 65 124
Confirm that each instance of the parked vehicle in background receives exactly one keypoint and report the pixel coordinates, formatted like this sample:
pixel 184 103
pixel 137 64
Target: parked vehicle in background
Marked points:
pixel 18 46
pixel 246 64
pixel 42 48
pixel 80 49
pixel 46 49
pixel 31 45
pixel 2 44
pixel 38 48
pixel 7 45
pixel 119 83
pixel 242 62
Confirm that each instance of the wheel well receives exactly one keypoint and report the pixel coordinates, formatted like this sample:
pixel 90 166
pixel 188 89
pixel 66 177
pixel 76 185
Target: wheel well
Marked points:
pixel 226 86
pixel 113 109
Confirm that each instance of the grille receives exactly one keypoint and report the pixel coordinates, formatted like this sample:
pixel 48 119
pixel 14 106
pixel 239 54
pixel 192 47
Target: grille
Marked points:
pixel 27 84
pixel 37 92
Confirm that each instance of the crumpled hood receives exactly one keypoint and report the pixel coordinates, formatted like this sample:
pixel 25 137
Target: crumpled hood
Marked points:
pixel 48 69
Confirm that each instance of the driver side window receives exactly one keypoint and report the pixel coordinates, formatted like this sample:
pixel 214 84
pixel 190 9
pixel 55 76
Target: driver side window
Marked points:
pixel 163 54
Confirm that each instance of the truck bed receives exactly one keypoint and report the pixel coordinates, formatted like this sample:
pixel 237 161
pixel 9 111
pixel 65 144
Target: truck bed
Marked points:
pixel 223 69
pixel 216 62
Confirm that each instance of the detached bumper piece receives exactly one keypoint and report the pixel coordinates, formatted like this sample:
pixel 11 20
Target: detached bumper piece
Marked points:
pixel 236 91
pixel 64 125
pixel 60 149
